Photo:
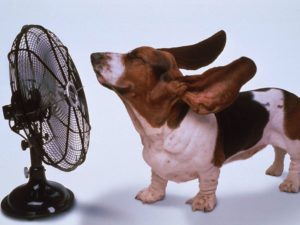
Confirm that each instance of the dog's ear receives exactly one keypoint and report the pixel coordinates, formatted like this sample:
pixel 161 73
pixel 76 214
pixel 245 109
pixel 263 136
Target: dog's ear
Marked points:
pixel 193 57
pixel 218 87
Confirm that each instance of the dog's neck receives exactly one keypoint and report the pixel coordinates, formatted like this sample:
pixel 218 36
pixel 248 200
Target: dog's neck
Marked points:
pixel 168 121
pixel 150 121
pixel 176 139
pixel 142 126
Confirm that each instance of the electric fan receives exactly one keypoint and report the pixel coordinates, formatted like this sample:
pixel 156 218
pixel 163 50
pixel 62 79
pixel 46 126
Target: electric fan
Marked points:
pixel 49 110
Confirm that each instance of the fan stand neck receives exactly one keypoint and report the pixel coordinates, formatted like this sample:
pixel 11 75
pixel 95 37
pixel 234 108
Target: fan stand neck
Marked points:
pixel 35 157
pixel 39 197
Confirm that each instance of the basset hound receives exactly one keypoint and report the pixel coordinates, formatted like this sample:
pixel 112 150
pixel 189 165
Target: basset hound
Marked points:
pixel 190 126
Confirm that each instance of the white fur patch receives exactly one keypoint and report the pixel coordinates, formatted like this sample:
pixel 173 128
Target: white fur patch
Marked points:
pixel 272 100
pixel 178 154
pixel 114 68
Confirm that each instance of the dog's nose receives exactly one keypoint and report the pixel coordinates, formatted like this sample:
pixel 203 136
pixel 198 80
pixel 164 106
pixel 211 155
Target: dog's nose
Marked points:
pixel 96 58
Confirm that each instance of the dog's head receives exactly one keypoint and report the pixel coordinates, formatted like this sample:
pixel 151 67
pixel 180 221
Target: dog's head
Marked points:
pixel 149 79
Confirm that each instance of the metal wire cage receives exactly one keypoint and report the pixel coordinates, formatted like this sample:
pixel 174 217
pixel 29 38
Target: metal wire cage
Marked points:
pixel 48 100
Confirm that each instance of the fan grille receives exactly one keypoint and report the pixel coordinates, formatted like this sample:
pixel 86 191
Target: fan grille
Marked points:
pixel 41 71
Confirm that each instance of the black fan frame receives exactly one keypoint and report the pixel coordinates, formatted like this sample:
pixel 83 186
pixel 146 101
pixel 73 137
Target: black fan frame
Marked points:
pixel 31 121
pixel 40 197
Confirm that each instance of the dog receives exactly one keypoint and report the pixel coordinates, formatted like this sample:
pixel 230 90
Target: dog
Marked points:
pixel 190 126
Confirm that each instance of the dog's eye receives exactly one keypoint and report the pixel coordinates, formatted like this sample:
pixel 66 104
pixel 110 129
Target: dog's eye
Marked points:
pixel 140 59
pixel 160 68
pixel 165 77
pixel 133 56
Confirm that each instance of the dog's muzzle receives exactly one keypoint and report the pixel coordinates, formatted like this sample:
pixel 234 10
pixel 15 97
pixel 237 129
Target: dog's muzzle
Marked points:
pixel 96 58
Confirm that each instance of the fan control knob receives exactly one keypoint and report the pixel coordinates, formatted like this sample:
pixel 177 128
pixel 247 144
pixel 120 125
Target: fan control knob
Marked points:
pixel 26 172
pixel 24 145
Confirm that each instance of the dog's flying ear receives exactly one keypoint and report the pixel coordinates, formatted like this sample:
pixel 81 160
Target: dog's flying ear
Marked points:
pixel 218 87
pixel 193 57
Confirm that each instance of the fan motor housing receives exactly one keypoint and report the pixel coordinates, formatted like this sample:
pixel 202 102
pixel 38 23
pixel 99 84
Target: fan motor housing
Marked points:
pixel 71 94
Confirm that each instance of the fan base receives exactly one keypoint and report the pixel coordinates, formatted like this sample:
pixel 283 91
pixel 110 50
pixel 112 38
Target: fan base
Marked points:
pixel 34 200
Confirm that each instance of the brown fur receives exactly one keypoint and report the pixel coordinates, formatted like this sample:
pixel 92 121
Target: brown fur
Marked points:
pixel 218 87
pixel 201 54
pixel 152 92
pixel 154 86
pixel 241 126
pixel 219 156
pixel 292 115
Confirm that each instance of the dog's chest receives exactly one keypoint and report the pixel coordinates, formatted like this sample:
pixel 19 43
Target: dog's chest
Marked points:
pixel 178 154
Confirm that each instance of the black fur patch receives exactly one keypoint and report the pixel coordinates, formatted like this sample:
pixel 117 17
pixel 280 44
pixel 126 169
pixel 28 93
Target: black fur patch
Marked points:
pixel 241 125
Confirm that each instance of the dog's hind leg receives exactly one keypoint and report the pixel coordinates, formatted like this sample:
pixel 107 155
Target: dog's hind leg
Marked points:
pixel 292 181
pixel 277 166
pixel 155 192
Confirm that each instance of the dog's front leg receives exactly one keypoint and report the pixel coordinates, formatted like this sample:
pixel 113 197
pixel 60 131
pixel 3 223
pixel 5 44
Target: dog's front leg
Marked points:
pixel 206 200
pixel 156 190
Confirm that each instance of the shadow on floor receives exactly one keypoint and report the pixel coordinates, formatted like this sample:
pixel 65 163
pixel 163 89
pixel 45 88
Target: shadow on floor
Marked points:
pixel 260 208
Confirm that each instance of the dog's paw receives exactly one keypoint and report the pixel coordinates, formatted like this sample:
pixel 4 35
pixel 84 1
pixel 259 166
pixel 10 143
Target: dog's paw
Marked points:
pixel 275 170
pixel 205 203
pixel 289 185
pixel 149 195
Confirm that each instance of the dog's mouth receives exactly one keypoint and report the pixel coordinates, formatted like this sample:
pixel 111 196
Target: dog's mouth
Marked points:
pixel 102 81
pixel 119 89
pixel 100 78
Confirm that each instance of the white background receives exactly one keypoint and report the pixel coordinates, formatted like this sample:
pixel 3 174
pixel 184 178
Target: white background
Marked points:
pixel 105 185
